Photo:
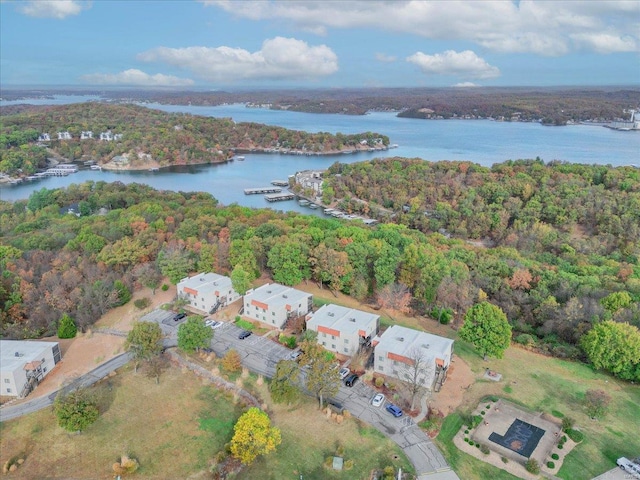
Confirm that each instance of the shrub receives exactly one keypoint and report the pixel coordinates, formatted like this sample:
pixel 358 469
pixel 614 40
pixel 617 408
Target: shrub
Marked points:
pixel 379 382
pixel 244 324
pixel 67 327
pixel 532 466
pixel 289 341
pixel 596 403
pixel 124 294
pixel 482 412
pixel 551 465
pixel 488 407
pixel 575 435
pixel 348 465
pixel 555 456
pixel 567 423
pixel 475 420
pixel 477 445
pixel 504 460
pixel 560 447
pixel 526 339
pixel 164 287
pixel 466 439
pixel 485 449
pixel 493 398
pixel 142 303
pixel 231 362
pixel 466 431
pixel 563 439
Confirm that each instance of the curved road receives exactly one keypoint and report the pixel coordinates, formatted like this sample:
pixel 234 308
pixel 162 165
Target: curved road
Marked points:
pixel 14 411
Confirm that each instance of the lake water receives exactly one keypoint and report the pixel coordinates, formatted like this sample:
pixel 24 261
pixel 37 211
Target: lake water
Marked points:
pixel 481 141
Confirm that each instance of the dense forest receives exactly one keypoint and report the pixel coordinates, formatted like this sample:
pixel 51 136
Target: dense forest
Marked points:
pixel 168 138
pixel 552 280
pixel 551 105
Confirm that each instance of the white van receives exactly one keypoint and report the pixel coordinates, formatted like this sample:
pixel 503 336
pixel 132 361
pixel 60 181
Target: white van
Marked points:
pixel 629 466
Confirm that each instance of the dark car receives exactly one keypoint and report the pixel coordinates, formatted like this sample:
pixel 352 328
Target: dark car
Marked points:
pixel 179 316
pixel 394 410
pixel 351 380
pixel 244 334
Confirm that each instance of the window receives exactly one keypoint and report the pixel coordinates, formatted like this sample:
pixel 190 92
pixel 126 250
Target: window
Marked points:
pixel 44 369
pixel 202 299
pixel 6 380
pixel 333 346
pixel 324 335
pixel 273 321
pixel 381 358
pixel 346 341
pixel 8 390
pixel 324 344
pixel 381 368
pixel 346 350
pixel 273 313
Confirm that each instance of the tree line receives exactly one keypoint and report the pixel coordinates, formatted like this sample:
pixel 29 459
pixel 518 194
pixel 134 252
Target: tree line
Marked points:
pixel 55 264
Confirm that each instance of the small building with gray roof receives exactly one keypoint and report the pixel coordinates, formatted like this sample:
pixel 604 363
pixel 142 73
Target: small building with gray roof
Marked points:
pixel 409 354
pixel 273 304
pixel 343 330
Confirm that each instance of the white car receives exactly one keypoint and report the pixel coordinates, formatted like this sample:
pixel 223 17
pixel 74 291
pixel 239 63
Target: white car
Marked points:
pixel 213 323
pixel 344 373
pixel 377 400
pixel 629 466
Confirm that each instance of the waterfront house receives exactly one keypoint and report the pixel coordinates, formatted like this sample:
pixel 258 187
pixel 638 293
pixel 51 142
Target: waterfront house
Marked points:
pixel 273 304
pixel 400 352
pixel 24 364
pixel 207 292
pixel 64 136
pixel 343 330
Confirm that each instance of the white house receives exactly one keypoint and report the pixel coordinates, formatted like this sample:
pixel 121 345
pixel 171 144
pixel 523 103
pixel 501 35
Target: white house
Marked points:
pixel 341 329
pixel 399 348
pixel 64 136
pixel 207 292
pixel 106 136
pixel 44 138
pixel 86 135
pixel 273 304
pixel 23 365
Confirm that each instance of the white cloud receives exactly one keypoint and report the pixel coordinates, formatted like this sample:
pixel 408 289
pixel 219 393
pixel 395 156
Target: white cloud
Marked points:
pixel 53 8
pixel 278 59
pixel 533 26
pixel 462 64
pixel 137 78
pixel 382 57
pixel 465 85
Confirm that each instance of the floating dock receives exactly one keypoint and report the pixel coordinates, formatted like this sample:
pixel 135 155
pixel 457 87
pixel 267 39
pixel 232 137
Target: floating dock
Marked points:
pixel 278 197
pixel 256 191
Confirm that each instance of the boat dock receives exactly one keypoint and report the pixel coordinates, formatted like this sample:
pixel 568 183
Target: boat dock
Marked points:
pixel 256 191
pixel 278 197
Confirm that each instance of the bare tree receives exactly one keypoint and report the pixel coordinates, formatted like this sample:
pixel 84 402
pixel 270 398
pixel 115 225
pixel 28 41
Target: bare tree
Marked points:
pixel 416 373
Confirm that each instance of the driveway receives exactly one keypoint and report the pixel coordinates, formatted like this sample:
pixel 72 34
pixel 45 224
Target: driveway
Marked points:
pixel 261 355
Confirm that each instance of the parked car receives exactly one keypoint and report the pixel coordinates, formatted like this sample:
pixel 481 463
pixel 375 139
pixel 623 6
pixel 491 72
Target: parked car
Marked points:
pixel 394 410
pixel 377 400
pixel 295 354
pixel 344 373
pixel 244 334
pixel 179 316
pixel 212 323
pixel 629 466
pixel 351 380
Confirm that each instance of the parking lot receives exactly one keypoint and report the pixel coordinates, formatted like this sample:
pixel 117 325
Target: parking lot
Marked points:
pixel 261 355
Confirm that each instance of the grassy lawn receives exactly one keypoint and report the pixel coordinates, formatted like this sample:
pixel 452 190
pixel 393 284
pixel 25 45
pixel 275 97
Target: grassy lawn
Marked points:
pixel 173 429
pixel 466 466
pixel 558 387
pixel 304 450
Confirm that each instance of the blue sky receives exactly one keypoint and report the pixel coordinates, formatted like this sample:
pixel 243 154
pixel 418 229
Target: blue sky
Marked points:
pixel 224 44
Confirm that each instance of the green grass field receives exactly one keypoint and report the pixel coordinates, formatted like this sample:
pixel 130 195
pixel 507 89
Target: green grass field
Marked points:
pixel 558 387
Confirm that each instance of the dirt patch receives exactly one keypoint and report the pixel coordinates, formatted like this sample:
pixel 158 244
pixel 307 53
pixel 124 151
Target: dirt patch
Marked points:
pixel 459 380
pixel 88 350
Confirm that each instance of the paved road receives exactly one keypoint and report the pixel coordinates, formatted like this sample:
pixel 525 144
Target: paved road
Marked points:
pixel 14 411
pixel 261 355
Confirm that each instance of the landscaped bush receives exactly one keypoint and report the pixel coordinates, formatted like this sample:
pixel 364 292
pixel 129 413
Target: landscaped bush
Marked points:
pixel 466 439
pixel 466 431
pixel 567 423
pixel 142 303
pixel 289 341
pixel 504 460
pixel 482 412
pixel 164 287
pixel 560 446
pixel 575 435
pixel 245 324
pixel 551 465
pixel 532 466
pixel 555 456
pixel 378 382
pixel 475 420
pixel 477 445
pixel 485 449
pixel 488 407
